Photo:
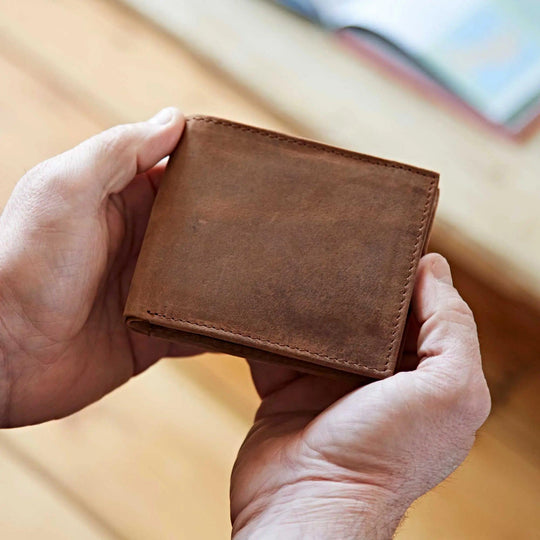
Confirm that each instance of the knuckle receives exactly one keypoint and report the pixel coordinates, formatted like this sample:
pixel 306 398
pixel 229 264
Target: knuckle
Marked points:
pixel 115 140
pixel 454 309
pixel 69 176
pixel 39 175
pixel 468 400
pixel 115 151
pixel 52 181
pixel 44 181
pixel 480 402
pixel 457 306
pixel 450 326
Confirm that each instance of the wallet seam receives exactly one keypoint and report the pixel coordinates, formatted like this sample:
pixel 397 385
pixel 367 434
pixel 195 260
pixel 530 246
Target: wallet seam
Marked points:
pixel 263 340
pixel 312 144
pixel 414 256
pixel 416 247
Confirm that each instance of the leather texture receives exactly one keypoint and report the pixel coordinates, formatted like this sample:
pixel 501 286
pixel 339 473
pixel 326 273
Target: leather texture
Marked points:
pixel 281 249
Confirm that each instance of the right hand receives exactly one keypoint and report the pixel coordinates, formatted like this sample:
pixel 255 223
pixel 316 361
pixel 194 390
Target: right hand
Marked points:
pixel 322 461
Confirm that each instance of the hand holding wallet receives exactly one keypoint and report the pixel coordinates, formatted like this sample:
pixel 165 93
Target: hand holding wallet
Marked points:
pixel 283 250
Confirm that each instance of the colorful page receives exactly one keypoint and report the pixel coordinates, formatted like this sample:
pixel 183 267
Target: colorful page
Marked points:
pixel 485 51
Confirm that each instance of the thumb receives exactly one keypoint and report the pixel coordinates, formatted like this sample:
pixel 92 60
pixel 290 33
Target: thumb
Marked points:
pixel 447 327
pixel 51 229
pixel 107 162
pixel 448 348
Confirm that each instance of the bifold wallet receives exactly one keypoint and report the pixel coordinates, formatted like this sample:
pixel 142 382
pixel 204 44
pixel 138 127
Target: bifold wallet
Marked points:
pixel 283 250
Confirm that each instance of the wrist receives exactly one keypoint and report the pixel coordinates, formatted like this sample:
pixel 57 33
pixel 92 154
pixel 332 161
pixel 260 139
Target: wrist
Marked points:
pixel 319 509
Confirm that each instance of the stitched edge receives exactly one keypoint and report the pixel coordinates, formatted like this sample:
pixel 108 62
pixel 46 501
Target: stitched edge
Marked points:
pixel 414 256
pixel 352 155
pixel 312 144
pixel 257 339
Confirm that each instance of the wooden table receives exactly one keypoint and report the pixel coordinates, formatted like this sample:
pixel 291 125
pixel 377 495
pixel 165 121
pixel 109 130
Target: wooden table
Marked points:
pixel 489 211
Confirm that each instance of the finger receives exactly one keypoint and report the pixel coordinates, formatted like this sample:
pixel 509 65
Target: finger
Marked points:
pixel 409 358
pixel 447 327
pixel 107 162
pixel 408 362
pixel 450 363
pixel 268 378
pixel 411 334
pixel 138 198
pixel 306 394
pixel 150 349
pixel 182 350
pixel 155 174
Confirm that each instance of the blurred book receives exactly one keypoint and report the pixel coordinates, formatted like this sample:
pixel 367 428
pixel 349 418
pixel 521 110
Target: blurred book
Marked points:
pixel 481 54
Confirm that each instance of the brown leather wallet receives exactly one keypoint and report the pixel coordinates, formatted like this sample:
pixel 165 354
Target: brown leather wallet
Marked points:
pixel 281 249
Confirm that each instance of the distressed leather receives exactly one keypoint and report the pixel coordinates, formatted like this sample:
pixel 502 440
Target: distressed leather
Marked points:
pixel 281 249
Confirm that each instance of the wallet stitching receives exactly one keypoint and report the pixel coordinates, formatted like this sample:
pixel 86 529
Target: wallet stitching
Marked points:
pixel 393 335
pixel 261 340
pixel 410 272
pixel 311 144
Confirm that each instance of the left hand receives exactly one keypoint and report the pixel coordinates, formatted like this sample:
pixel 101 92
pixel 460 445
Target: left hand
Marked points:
pixel 69 238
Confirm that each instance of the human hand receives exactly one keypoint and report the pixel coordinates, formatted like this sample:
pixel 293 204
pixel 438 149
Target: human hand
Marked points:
pixel 69 238
pixel 322 461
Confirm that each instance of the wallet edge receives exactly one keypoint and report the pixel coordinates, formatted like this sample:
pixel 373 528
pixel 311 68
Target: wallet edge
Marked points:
pixel 157 318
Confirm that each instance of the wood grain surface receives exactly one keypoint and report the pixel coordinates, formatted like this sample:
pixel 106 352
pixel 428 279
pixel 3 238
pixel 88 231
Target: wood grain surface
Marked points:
pixel 152 460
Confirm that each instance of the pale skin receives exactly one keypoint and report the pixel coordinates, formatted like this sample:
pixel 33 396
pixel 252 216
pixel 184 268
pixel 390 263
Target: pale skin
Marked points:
pixel 324 458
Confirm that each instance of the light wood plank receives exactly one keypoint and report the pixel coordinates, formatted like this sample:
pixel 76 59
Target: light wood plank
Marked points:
pixel 31 508
pixel 165 442
pixel 35 124
pixel 230 381
pixel 516 418
pixel 153 458
pixel 124 69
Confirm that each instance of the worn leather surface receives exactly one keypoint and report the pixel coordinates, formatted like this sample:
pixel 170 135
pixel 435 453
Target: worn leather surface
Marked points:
pixel 281 249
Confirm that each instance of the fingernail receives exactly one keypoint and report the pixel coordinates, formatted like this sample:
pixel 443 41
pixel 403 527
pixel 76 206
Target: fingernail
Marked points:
pixel 162 117
pixel 441 270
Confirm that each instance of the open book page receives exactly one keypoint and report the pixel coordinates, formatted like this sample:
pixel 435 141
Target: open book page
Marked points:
pixel 485 51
